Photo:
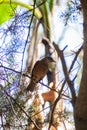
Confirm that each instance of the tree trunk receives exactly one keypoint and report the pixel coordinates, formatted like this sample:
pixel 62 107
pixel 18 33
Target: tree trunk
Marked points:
pixel 81 102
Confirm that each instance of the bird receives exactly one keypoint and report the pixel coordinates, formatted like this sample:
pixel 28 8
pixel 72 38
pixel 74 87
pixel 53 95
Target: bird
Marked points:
pixel 39 70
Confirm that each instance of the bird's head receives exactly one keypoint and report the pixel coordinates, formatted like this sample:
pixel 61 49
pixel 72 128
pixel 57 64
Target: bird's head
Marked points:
pixel 49 59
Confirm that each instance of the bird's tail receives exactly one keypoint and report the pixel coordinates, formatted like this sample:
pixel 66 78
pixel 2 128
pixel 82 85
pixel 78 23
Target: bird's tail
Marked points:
pixel 31 86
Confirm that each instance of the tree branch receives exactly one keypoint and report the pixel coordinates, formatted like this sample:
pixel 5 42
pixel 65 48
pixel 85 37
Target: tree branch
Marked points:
pixel 66 73
pixel 67 79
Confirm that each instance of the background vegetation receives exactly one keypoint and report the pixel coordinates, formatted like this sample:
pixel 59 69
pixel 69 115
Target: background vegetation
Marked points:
pixel 28 32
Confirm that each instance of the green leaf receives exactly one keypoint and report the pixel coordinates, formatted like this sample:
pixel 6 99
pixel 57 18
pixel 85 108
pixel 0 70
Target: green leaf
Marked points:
pixel 6 12
pixel 7 9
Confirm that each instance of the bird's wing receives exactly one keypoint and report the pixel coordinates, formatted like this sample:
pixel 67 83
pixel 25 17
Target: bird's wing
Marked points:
pixel 39 70
pixel 35 67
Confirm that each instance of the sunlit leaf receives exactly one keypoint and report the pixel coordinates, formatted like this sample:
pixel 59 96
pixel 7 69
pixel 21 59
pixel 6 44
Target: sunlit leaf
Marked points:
pixel 6 12
pixel 7 8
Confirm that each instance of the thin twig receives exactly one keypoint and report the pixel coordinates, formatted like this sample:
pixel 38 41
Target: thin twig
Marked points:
pixel 55 103
pixel 73 62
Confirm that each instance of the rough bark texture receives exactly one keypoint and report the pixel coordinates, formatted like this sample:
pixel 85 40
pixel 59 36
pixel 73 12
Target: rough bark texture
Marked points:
pixel 81 102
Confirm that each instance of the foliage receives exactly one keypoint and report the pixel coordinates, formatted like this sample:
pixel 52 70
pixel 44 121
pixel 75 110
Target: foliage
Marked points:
pixel 8 8
pixel 7 11
pixel 72 11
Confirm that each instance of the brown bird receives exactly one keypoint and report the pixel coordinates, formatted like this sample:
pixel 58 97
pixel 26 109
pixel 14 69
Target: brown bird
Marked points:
pixel 39 70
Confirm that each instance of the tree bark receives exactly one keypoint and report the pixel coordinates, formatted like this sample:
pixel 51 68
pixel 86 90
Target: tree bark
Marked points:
pixel 81 102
